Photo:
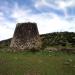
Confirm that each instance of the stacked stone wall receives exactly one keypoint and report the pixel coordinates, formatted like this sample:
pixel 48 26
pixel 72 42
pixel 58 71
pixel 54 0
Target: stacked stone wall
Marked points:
pixel 26 36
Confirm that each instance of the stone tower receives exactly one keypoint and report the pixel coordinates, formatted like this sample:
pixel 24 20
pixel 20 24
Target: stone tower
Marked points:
pixel 26 36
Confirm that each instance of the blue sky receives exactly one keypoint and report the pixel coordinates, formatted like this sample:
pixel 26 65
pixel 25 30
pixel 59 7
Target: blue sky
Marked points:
pixel 50 15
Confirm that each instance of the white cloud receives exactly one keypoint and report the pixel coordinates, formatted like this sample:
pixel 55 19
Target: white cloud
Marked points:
pixel 55 4
pixel 47 21
pixel 6 27
pixel 5 33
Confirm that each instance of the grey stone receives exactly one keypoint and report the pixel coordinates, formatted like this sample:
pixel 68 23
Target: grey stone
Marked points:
pixel 26 36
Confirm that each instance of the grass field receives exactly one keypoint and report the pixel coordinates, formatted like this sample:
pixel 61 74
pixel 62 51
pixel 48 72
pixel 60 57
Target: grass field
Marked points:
pixel 38 63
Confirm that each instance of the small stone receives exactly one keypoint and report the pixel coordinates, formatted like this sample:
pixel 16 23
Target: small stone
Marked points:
pixel 66 63
pixel 73 66
pixel 50 55
pixel 69 60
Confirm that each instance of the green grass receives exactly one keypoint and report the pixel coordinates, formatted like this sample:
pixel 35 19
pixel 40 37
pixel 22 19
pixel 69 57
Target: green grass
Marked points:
pixel 38 63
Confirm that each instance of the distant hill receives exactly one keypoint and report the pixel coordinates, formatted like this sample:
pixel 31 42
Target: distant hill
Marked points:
pixel 65 39
pixel 5 43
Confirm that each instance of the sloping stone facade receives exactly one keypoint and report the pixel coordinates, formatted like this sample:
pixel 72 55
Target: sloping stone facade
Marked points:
pixel 26 36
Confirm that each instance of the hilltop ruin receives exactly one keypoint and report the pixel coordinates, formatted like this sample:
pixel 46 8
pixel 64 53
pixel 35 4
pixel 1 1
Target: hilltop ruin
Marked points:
pixel 26 36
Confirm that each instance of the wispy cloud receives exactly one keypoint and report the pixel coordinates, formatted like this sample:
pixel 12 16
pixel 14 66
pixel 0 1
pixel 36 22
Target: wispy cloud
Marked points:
pixel 56 5
pixel 48 20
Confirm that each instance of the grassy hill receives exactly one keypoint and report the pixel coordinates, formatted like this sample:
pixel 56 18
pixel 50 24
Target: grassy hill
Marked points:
pixel 59 38
pixel 65 39
pixel 5 43
pixel 38 63
pixel 44 62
